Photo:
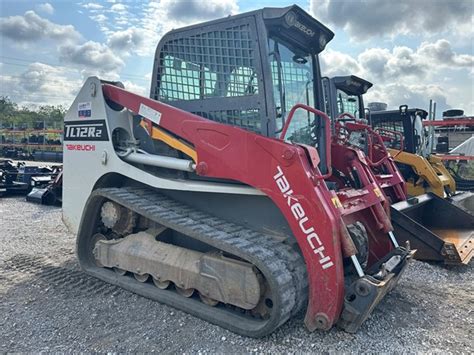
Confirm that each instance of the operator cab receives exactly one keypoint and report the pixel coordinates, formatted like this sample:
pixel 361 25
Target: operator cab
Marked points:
pixel 342 96
pixel 348 91
pixel 408 123
pixel 247 70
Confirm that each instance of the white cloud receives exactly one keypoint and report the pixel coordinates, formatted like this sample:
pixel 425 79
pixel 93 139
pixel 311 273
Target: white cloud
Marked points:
pixel 137 89
pixel 118 8
pixel 46 8
pixel 442 53
pixel 42 84
pixel 96 58
pixel 134 28
pixel 130 39
pixel 384 65
pixel 30 27
pixel 101 18
pixel 92 6
pixel 196 10
pixel 413 95
pixel 405 75
pixel 364 19
pixel 335 63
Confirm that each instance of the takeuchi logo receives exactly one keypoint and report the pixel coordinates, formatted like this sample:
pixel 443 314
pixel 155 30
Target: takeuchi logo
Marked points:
pixel 303 221
pixel 292 21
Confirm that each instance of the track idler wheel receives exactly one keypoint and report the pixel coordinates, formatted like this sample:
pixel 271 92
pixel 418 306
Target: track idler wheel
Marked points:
pixel 119 219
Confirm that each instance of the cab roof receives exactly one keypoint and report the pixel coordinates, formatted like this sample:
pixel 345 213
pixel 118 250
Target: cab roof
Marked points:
pixel 352 85
pixel 290 22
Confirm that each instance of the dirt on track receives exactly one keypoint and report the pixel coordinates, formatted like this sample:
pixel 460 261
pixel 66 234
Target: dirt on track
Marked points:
pixel 48 304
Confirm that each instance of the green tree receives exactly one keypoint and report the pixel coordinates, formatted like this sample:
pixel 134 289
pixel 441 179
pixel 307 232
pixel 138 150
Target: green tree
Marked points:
pixel 8 110
pixel 11 115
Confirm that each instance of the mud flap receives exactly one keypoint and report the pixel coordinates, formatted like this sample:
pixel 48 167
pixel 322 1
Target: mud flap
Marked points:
pixel 364 294
pixel 438 229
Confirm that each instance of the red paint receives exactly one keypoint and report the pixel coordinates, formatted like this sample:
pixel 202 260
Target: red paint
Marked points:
pixel 466 121
pixel 288 175
pixel 327 132
pixel 382 165
pixel 387 135
pixel 81 147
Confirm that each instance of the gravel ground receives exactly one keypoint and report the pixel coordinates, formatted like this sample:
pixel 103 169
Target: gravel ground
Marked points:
pixel 47 304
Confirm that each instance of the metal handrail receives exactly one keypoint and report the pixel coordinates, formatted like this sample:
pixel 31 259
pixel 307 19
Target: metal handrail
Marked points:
pixel 325 117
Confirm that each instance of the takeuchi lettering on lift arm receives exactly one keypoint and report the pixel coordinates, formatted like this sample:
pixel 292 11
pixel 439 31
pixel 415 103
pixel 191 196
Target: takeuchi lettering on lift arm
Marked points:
pixel 298 212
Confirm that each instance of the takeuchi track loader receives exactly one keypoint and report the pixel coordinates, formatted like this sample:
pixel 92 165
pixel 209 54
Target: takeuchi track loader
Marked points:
pixel 217 195
pixel 438 229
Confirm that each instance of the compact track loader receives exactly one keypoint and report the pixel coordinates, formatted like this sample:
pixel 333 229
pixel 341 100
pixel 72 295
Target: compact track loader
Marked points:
pixel 406 139
pixel 438 229
pixel 217 195
pixel 404 132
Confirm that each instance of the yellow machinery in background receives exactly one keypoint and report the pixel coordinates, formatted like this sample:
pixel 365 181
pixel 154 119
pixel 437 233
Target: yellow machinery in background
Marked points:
pixel 408 144
pixel 430 174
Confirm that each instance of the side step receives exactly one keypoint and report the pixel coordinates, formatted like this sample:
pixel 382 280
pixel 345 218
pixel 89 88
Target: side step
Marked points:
pixel 438 229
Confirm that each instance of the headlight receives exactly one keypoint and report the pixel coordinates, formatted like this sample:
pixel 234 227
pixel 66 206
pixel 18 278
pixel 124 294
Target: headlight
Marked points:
pixel 322 41
pixel 290 18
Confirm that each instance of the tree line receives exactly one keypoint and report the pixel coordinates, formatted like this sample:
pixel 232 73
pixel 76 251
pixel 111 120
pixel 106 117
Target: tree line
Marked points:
pixel 45 116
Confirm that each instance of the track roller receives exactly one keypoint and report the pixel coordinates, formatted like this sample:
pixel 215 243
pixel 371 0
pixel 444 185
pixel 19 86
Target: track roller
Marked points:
pixel 119 271
pixel 209 301
pixel 244 279
pixel 186 292
pixel 141 278
pixel 163 285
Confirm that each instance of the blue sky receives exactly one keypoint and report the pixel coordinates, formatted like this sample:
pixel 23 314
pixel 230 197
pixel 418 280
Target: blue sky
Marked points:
pixel 411 50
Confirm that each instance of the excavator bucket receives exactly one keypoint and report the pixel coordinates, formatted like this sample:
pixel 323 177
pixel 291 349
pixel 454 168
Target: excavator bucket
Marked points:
pixel 438 229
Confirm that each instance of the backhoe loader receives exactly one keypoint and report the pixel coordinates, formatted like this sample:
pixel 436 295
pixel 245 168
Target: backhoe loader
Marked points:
pixel 218 194
pixel 438 229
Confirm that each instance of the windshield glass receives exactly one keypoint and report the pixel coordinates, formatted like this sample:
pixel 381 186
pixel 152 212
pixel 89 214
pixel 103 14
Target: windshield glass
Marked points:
pixel 420 135
pixel 292 77
pixel 347 103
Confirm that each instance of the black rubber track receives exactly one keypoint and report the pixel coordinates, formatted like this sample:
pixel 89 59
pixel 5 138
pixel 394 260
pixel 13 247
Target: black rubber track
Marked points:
pixel 282 267
pixel 462 184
